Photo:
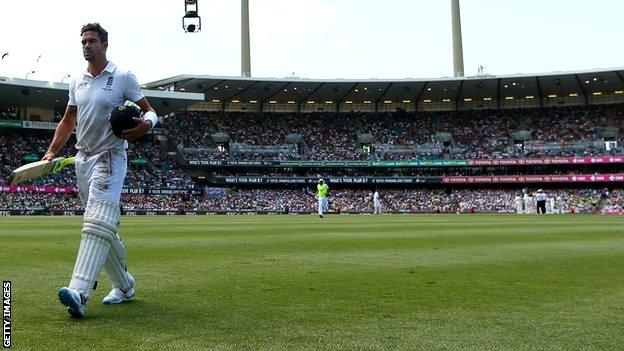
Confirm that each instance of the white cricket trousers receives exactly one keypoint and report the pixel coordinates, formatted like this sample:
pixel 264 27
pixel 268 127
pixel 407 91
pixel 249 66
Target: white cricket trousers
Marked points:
pixel 100 176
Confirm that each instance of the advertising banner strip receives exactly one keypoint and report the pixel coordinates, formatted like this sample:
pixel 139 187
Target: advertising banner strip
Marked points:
pixel 420 163
pixel 578 178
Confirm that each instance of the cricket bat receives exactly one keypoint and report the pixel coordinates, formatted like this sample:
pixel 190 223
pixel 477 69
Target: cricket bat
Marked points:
pixel 40 169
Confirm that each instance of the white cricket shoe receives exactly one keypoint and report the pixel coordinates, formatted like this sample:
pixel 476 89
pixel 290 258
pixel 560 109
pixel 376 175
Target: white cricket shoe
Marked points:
pixel 117 295
pixel 74 300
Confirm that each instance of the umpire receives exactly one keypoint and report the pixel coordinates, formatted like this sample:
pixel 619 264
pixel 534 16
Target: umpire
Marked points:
pixel 541 198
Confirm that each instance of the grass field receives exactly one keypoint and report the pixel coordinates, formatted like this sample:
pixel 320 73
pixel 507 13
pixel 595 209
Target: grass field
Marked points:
pixel 413 282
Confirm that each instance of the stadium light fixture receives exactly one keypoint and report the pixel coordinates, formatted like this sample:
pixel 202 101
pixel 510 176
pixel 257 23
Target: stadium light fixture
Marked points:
pixel 596 93
pixel 216 101
pixel 619 92
pixel 235 101
pixel 387 101
pixel 348 102
pixel 509 97
pixel 291 102
pixel 446 100
pixel 272 102
pixel 487 99
pixel 467 99
pixel 426 101
pixel 552 95
pixel 573 95
pixel 529 97
pixel 310 102
pixel 406 101
pixel 191 22
pixel 253 101
pixel 367 101
pixel 329 102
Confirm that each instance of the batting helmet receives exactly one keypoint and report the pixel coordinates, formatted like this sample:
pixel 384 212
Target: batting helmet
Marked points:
pixel 122 118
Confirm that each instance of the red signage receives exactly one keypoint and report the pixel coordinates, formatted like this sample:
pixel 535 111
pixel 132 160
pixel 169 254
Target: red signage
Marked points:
pixel 578 178
pixel 46 189
pixel 547 161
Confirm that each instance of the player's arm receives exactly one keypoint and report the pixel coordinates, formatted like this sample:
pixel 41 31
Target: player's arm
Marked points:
pixel 145 124
pixel 64 130
pixel 133 92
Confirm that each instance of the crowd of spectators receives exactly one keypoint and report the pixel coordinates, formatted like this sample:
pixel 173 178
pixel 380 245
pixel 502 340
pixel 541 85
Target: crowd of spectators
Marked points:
pixel 341 200
pixel 554 131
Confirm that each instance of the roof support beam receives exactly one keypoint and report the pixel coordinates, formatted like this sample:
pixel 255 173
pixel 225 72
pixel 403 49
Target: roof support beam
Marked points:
pixel 578 80
pixel 307 96
pixel 458 95
pixel 539 92
pixel 344 96
pixel 619 76
pixel 177 84
pixel 237 94
pixel 498 93
pixel 212 86
pixel 422 90
pixel 272 95
pixel 381 96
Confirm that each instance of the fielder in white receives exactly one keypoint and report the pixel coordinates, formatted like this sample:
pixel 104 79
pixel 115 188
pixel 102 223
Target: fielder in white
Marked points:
pixel 376 203
pixel 518 202
pixel 101 165
pixel 527 203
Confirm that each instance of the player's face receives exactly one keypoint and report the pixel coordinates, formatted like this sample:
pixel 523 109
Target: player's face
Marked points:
pixel 92 47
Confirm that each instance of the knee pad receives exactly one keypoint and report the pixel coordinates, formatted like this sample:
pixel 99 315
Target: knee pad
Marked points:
pixel 102 219
pixel 99 231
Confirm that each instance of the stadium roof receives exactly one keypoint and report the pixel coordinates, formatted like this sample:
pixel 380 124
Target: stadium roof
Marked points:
pixel 16 92
pixel 582 85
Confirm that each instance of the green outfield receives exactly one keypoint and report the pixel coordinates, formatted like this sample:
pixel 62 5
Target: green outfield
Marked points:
pixel 412 282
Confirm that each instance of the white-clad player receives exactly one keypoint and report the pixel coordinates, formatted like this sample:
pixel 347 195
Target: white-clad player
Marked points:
pixel 376 203
pixel 560 205
pixel 101 165
pixel 527 203
pixel 518 202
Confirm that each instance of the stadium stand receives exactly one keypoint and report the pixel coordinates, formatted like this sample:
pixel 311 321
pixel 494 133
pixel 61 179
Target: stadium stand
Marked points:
pixel 422 161
pixel 556 131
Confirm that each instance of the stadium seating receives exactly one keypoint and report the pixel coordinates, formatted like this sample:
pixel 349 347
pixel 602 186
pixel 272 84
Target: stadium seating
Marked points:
pixel 557 131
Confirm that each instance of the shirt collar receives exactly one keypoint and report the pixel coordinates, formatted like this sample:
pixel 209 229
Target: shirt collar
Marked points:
pixel 110 68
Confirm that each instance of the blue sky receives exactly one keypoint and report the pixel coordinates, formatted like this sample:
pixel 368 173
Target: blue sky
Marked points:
pixel 316 38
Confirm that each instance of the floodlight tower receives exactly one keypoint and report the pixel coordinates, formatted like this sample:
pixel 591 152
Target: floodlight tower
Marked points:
pixel 458 51
pixel 245 52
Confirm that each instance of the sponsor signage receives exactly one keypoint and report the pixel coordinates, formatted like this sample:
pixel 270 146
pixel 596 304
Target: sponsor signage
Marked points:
pixel 419 163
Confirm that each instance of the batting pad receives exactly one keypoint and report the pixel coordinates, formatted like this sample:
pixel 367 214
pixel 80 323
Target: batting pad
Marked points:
pixel 99 231
pixel 115 266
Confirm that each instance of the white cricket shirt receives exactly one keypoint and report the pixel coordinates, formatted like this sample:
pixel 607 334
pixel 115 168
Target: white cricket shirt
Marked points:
pixel 95 98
